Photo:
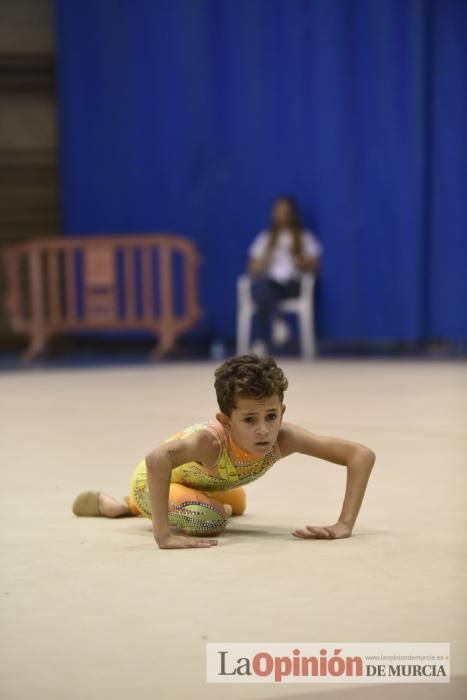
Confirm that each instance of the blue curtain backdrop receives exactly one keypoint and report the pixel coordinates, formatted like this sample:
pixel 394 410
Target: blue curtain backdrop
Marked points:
pixel 190 115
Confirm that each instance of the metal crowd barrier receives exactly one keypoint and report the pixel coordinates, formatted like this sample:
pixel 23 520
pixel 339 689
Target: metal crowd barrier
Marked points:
pixel 102 283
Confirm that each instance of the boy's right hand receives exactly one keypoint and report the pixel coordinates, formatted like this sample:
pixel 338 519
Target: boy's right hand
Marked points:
pixel 171 541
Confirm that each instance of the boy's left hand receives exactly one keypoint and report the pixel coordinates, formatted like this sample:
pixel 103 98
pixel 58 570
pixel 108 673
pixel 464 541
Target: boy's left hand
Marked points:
pixel 330 532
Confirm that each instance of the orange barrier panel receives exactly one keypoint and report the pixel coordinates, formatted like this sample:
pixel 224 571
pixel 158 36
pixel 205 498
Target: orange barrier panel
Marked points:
pixel 102 283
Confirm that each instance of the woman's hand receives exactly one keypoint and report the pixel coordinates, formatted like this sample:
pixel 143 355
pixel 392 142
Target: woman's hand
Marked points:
pixel 331 532
pixel 171 541
pixel 258 266
pixel 306 263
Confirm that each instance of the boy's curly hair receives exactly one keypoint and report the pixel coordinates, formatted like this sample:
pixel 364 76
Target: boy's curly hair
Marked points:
pixel 250 377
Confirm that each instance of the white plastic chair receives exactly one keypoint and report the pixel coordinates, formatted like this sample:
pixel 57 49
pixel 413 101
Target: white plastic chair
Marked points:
pixel 303 306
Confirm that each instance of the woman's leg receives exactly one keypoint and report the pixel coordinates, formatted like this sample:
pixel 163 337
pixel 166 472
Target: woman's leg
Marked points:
pixel 290 289
pixel 266 293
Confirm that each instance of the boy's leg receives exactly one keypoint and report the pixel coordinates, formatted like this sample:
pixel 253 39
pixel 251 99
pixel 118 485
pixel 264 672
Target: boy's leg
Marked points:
pixel 194 512
pixel 95 504
pixel 132 507
pixel 113 507
pixel 236 498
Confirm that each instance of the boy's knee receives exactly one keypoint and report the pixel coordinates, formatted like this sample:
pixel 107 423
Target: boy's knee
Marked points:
pixel 235 498
pixel 238 502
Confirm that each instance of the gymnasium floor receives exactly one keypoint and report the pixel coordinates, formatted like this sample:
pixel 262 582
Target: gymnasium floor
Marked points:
pixel 91 608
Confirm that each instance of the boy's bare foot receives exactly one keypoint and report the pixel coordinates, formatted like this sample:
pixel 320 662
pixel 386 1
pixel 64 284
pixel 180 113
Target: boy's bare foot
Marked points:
pixel 111 507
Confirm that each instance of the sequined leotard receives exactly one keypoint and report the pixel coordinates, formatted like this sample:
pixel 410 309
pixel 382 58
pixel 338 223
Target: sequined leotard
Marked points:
pixel 234 467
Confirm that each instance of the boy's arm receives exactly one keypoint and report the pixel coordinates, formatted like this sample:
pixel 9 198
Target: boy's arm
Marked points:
pixel 200 447
pixel 359 461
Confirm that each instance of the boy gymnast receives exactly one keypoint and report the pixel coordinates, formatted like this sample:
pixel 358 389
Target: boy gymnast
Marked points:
pixel 194 480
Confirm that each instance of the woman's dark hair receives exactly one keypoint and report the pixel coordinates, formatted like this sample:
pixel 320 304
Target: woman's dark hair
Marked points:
pixel 250 377
pixel 295 224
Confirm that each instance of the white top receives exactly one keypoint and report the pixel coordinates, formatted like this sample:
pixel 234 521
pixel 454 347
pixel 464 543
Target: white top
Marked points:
pixel 282 266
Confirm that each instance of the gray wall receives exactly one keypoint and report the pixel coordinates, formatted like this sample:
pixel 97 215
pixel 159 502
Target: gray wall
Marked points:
pixel 29 201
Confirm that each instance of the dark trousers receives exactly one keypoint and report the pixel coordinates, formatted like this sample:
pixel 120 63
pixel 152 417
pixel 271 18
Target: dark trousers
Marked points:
pixel 268 294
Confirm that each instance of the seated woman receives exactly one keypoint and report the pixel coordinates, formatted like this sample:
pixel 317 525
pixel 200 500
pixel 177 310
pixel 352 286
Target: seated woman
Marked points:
pixel 277 259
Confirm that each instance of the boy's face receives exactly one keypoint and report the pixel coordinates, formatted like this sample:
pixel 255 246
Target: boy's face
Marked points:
pixel 254 423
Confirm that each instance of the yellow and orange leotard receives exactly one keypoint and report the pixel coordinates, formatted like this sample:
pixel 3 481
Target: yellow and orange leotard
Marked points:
pixel 194 483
